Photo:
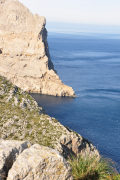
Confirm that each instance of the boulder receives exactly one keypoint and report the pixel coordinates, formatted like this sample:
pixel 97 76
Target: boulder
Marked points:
pixel 40 162
pixel 9 151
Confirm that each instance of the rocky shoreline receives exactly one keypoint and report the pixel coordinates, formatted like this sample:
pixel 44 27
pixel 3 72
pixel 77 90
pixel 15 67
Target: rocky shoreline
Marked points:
pixel 31 142
pixel 22 119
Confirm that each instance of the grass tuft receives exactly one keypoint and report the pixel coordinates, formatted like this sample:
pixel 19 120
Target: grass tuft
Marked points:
pixel 93 168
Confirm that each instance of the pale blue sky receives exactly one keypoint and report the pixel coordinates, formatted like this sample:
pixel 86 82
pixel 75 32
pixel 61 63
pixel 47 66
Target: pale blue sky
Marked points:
pixel 104 12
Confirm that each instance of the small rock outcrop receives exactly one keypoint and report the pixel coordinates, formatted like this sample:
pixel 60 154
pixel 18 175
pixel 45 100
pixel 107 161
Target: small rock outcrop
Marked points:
pixel 9 151
pixel 24 52
pixel 75 144
pixel 40 162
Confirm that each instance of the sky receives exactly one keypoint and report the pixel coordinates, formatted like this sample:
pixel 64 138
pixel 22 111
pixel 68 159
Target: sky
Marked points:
pixel 92 12
pixel 106 12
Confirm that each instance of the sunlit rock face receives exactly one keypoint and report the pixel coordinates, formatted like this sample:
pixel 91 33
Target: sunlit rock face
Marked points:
pixel 40 162
pixel 24 52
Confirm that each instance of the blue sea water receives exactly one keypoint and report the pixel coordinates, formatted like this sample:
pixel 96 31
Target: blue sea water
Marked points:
pixel 90 64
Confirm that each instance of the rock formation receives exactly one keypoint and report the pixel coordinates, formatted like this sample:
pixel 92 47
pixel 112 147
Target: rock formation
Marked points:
pixel 24 52
pixel 40 162
pixel 21 161
pixel 9 151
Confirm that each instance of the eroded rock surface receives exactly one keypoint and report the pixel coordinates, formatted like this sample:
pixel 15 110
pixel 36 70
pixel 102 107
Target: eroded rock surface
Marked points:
pixel 40 162
pixel 9 151
pixel 75 144
pixel 24 52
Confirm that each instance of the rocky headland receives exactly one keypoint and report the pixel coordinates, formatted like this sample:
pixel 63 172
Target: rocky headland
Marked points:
pixel 21 119
pixel 24 52
pixel 33 145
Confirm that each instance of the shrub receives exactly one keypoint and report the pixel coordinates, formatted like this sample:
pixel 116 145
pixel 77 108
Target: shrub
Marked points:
pixel 93 168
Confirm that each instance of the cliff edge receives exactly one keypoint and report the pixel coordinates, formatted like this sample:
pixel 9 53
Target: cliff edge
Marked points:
pixel 24 52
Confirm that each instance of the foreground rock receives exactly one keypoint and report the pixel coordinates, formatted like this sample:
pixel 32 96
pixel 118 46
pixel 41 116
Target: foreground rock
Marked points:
pixel 22 119
pixel 9 151
pixel 40 162
pixel 24 52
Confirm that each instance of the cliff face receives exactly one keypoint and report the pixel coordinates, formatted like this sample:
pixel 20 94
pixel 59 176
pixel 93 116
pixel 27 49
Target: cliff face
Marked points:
pixel 24 52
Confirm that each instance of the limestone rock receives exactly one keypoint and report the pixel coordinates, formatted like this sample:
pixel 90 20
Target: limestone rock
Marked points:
pixel 77 145
pixel 24 52
pixel 9 151
pixel 2 1
pixel 40 162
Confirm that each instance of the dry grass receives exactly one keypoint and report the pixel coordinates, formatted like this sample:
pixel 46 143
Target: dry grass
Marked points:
pixel 93 168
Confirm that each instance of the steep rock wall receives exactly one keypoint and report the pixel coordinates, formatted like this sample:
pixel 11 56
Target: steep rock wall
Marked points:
pixel 24 52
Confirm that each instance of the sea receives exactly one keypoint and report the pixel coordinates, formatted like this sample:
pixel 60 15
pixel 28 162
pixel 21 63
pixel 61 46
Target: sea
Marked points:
pixel 90 64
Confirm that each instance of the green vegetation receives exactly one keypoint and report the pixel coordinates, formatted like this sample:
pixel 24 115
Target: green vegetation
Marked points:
pixel 93 168
pixel 22 119
pixel 116 176
pixel 55 120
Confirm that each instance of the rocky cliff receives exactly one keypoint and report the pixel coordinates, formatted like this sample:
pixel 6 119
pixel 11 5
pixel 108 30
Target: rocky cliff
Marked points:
pixel 24 52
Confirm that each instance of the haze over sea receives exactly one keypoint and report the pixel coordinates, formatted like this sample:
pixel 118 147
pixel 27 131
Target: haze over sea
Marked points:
pixel 90 64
